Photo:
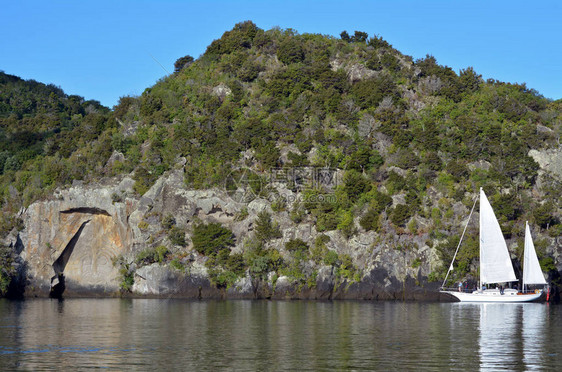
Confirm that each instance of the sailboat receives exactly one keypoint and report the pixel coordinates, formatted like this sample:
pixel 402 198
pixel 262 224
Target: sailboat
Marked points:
pixel 495 263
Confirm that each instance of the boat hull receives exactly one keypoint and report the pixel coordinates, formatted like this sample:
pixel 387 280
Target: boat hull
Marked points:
pixel 494 296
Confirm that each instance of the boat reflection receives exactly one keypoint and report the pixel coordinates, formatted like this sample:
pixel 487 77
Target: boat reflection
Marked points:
pixel 510 336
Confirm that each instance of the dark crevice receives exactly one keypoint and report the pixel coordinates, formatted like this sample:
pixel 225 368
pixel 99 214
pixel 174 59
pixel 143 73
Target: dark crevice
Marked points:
pixel 57 281
pixel 57 286
pixel 88 210
pixel 18 246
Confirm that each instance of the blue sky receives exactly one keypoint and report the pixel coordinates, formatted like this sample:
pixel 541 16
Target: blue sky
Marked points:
pixel 107 49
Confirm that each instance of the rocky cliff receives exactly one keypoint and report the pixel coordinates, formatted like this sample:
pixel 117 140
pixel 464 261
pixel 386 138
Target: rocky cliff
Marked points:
pixel 76 238
pixel 77 235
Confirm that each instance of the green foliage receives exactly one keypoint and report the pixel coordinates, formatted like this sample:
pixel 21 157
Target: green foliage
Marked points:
pixel 177 236
pixel 182 63
pixel 290 51
pixel 347 225
pixel 176 264
pixel 116 198
pixel 168 222
pixel 126 272
pixel 266 229
pixel 457 169
pixel 209 239
pixel 543 215
pixel 7 271
pixel 240 37
pixel 358 37
pixel 297 213
pixel 469 80
pixel 236 264
pixel 395 182
pixel 152 255
pixel 144 179
pixel 547 265
pixel 261 261
pixel 128 279
pixel 241 216
pixel 369 93
pixel 296 246
pixel 347 269
pixel 364 159
pixel 354 184
pixel 378 42
pixel 331 258
pixel 279 204
pixel 224 268
pixel 371 220
pixel 400 214
pixel 319 250
pixel 327 222
pixel 468 254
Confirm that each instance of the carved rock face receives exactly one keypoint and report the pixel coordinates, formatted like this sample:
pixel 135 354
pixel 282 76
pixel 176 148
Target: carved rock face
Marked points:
pixel 77 236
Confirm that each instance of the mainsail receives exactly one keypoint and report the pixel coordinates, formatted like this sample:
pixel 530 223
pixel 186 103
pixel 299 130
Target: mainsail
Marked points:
pixel 495 263
pixel 532 273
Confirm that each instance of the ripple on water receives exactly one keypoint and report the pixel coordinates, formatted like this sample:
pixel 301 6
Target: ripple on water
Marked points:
pixel 266 335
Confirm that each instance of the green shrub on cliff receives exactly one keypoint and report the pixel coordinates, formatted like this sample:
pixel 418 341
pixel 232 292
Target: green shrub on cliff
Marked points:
pixel 177 236
pixel 261 260
pixel 371 220
pixel 331 258
pixel 347 270
pixel 347 225
pixel 152 255
pixel 210 239
pixel 126 273
pixel 297 247
pixel 266 229
pixel 400 214
pixel 7 271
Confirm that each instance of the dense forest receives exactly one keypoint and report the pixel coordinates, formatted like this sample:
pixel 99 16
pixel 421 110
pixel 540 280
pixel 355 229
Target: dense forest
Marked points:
pixel 411 139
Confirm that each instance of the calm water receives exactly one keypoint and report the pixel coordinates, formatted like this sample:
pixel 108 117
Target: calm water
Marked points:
pixel 260 335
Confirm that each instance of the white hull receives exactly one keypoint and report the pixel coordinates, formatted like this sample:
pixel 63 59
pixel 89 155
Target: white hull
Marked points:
pixel 494 296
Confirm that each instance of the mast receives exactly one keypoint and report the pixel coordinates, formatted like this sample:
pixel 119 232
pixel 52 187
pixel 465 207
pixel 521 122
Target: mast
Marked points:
pixel 480 242
pixel 525 256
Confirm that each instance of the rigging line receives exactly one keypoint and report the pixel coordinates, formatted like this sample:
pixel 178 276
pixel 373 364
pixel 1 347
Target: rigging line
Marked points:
pixel 155 60
pixel 460 241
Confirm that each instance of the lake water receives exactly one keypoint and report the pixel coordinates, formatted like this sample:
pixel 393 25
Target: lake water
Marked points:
pixel 150 334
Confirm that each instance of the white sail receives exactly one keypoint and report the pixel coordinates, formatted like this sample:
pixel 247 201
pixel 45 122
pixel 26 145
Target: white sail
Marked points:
pixel 532 273
pixel 495 263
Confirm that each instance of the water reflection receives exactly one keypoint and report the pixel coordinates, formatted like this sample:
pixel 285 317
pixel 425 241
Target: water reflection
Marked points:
pixel 512 336
pixel 261 335
pixel 534 328
pixel 499 341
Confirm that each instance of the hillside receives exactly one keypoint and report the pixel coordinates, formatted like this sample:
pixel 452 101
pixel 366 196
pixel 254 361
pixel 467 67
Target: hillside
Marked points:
pixel 281 164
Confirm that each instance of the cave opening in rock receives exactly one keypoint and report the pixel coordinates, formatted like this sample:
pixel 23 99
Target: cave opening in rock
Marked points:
pixel 57 286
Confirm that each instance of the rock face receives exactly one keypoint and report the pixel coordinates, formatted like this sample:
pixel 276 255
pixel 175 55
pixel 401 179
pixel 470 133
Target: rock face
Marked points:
pixel 549 161
pixel 77 234
pixel 71 242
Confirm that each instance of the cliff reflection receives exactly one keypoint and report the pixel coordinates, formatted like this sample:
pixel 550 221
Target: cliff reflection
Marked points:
pixel 276 335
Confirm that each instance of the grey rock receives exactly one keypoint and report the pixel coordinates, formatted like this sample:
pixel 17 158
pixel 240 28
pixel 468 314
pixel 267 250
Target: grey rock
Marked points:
pixel 359 72
pixel 221 91
pixel 549 161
